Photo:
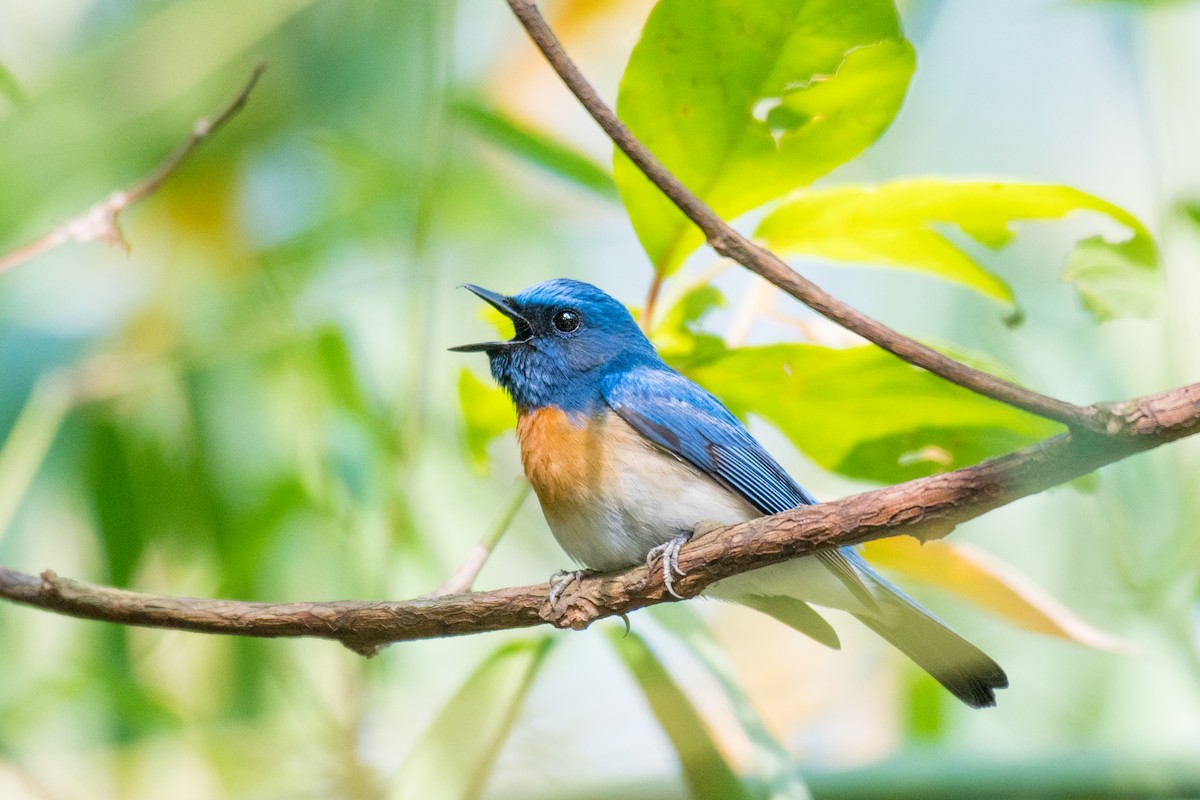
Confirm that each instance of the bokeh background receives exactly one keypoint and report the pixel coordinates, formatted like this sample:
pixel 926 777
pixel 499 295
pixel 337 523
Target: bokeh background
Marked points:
pixel 256 402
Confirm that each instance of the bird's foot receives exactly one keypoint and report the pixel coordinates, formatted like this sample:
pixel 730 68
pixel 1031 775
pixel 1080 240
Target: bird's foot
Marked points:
pixel 669 553
pixel 560 580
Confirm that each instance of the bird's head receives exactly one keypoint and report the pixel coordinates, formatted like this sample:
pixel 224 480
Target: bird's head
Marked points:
pixel 569 335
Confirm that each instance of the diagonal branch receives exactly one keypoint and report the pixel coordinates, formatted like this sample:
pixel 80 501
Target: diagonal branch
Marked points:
pixel 100 222
pixel 731 244
pixel 928 507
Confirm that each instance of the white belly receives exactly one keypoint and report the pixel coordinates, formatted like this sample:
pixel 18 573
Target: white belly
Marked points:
pixel 610 496
pixel 651 499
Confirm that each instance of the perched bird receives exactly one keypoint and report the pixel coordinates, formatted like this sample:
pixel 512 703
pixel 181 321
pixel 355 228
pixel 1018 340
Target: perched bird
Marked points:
pixel 629 458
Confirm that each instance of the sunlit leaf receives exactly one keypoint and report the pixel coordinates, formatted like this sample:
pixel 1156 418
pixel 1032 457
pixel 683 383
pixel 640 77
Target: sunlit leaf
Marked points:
pixel 1191 211
pixel 486 412
pixel 745 102
pixel 676 336
pixel 903 224
pixel 864 413
pixel 775 767
pixel 9 87
pixel 705 768
pixel 537 148
pixel 986 581
pixel 1116 280
pixel 453 758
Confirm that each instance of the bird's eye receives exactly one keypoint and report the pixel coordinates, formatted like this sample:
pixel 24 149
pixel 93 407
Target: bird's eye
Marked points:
pixel 566 320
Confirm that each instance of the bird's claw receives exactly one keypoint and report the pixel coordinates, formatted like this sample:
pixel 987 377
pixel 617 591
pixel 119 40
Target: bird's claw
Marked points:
pixel 560 580
pixel 669 553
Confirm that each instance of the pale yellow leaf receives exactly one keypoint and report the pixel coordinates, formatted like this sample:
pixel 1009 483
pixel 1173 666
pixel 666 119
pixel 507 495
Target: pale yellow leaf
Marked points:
pixel 989 583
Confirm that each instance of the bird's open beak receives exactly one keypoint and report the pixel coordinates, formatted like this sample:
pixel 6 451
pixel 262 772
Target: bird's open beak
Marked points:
pixel 506 307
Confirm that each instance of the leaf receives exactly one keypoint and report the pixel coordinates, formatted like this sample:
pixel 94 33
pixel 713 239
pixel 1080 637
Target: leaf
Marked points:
pixel 9 87
pixel 1115 280
pixel 705 769
pixel 1191 211
pixel 537 148
pixel 987 582
pixel 774 762
pixel 864 413
pixel 454 758
pixel 675 336
pixel 487 413
pixel 745 102
pixel 900 224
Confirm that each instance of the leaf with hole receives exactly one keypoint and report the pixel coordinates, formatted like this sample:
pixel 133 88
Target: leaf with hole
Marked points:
pixel 745 102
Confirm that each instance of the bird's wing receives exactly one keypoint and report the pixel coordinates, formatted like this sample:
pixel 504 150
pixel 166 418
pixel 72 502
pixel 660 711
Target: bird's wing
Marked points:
pixel 691 424
pixel 688 422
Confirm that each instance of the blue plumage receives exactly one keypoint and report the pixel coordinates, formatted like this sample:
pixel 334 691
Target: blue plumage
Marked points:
pixel 628 458
pixel 679 416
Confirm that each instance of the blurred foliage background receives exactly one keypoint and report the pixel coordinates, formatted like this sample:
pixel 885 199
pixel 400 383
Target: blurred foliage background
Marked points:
pixel 256 401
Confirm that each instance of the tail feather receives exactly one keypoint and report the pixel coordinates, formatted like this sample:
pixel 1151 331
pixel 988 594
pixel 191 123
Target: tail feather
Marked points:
pixel 965 670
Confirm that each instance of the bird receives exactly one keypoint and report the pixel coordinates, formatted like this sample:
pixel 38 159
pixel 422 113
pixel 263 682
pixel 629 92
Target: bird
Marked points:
pixel 629 459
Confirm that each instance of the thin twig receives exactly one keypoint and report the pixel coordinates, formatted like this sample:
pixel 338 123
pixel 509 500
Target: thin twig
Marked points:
pixel 728 242
pixel 927 507
pixel 100 222
pixel 464 577
pixel 651 303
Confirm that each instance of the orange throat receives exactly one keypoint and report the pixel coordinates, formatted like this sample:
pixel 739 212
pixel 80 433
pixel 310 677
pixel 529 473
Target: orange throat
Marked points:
pixel 563 458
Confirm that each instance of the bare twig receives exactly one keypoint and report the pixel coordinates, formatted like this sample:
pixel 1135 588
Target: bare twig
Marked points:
pixel 728 242
pixel 651 303
pixel 100 222
pixel 928 507
pixel 464 577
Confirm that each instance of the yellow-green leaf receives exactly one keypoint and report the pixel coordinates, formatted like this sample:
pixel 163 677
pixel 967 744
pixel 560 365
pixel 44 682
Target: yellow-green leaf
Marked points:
pixel 486 413
pixel 903 224
pixel 745 102
pixel 864 413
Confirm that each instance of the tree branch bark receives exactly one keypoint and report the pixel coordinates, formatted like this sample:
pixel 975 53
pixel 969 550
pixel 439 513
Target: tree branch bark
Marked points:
pixel 100 222
pixel 728 242
pixel 926 508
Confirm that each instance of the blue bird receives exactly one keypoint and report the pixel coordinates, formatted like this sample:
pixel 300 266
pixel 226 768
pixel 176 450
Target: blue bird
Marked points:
pixel 629 458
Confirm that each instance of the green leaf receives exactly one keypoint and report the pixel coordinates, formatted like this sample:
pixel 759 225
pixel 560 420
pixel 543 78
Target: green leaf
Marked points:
pixel 709 776
pixel 774 762
pixel 864 413
pixel 537 148
pixel 487 413
pixel 455 756
pixel 676 337
pixel 745 102
pixel 900 224
pixel 1116 280
pixel 1191 210
pixel 9 87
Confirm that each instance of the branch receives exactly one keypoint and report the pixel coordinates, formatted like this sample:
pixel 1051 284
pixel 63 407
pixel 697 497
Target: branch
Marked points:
pixel 731 244
pixel 928 507
pixel 100 222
